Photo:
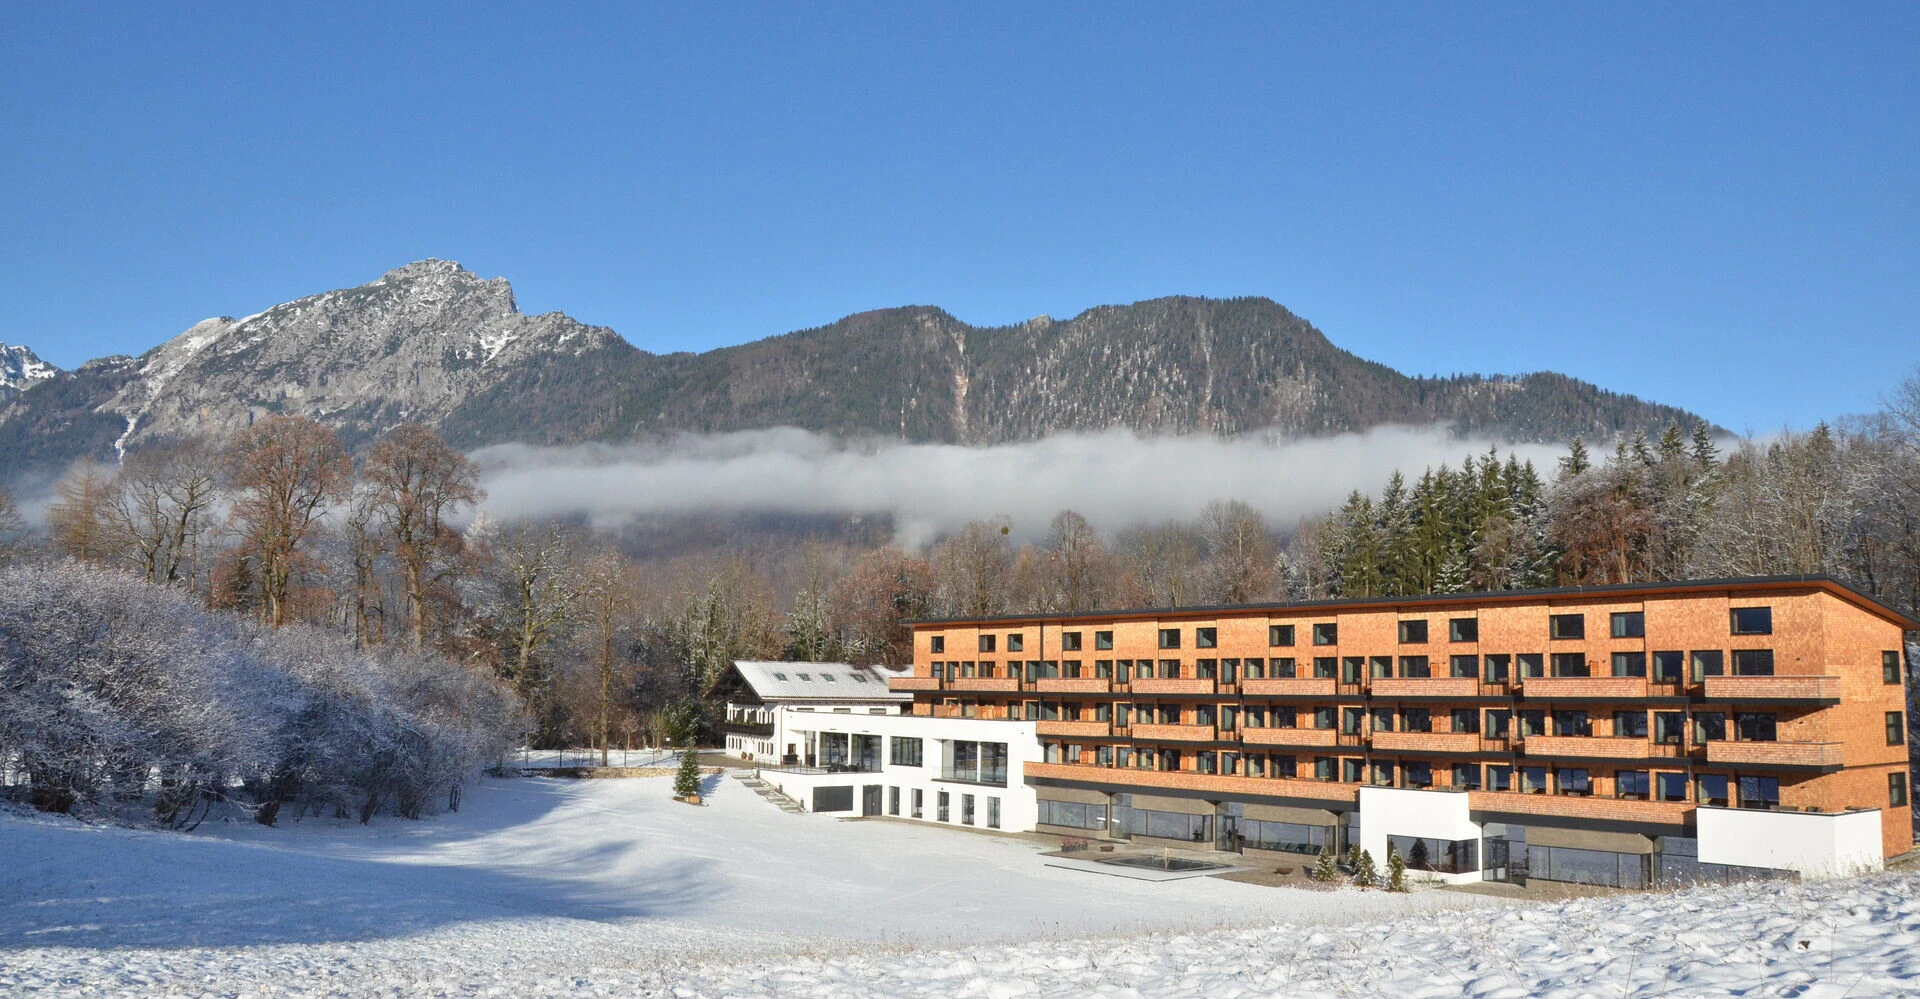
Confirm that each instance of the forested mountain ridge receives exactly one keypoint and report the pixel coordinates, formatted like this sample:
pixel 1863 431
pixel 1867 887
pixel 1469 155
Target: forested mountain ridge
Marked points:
pixel 432 342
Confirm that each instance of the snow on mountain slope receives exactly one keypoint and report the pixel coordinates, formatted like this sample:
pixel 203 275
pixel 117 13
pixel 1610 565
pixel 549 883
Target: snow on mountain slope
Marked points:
pixel 20 368
pixel 608 888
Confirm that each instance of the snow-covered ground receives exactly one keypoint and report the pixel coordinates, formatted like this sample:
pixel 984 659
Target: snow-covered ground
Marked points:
pixel 542 887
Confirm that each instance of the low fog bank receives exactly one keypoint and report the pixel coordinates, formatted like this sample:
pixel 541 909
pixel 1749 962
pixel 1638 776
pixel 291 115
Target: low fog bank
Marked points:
pixel 1117 478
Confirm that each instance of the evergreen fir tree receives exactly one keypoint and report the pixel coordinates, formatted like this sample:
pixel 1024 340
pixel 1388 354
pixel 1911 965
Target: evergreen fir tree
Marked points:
pixel 1396 870
pixel 1454 573
pixel 686 783
pixel 1365 874
pixel 1353 857
pixel 1705 454
pixel 1576 461
pixel 1324 868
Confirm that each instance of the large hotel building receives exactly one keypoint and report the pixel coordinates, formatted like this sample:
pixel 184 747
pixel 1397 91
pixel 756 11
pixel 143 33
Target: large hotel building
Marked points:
pixel 1614 734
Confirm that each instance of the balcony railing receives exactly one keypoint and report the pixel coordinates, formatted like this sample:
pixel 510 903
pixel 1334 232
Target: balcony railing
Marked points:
pixel 1073 685
pixel 986 683
pixel 1815 689
pixel 1288 686
pixel 1427 742
pixel 1175 733
pixel 1194 781
pixel 1596 688
pixel 1176 685
pixel 1071 729
pixel 1588 747
pixel 825 768
pixel 1822 755
pixel 911 683
pixel 1310 737
pixel 1437 686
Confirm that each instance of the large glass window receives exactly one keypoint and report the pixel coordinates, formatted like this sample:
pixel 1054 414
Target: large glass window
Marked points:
pixel 1711 789
pixel 1752 620
pixel 1415 666
pixel 1571 664
pixel 1326 634
pixel 1629 664
pixel 1669 667
pixel 1170 825
pixel 1629 624
pixel 1280 634
pixel 1897 790
pixel 1572 723
pixel 1440 856
pixel 1463 629
pixel 1103 640
pixel 1466 776
pixel 1630 724
pixel 1531 664
pixel 1567 626
pixel 1632 784
pixel 1759 792
pixel 905 751
pixel 1497 668
pixel 1463 667
pixel 1413 632
pixel 1670 787
pixel 1285 837
pixel 1753 662
pixel 1169 638
pixel 1588 867
pixel 1573 780
pixel 1896 728
pixel 979 762
pixel 1751 726
pixel 1890 667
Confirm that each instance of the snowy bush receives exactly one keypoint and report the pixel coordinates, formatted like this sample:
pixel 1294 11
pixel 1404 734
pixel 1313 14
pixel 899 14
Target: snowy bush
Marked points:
pixel 113 690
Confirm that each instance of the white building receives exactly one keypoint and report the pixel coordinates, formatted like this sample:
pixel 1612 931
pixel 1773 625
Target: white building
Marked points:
pixel 958 771
pixel 762 695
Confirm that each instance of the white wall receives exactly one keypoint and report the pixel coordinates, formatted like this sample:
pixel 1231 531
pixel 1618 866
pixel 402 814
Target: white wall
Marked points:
pixel 1019 808
pixel 1392 811
pixel 1816 844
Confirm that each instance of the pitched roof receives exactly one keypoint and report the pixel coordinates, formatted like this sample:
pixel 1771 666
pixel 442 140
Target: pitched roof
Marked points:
pixel 817 681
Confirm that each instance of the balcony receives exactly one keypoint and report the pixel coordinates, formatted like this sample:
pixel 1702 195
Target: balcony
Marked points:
pixel 1158 685
pixel 1287 686
pixel 1073 685
pixel 912 683
pixel 1584 688
pixel 1074 729
pixel 1808 689
pixel 1571 806
pixel 988 683
pixel 1427 742
pixel 751 728
pixel 1123 778
pixel 1437 686
pixel 1312 737
pixel 1175 733
pixel 1587 747
pixel 1810 755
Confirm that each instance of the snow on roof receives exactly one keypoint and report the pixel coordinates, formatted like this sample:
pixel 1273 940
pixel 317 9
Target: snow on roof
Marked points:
pixel 817 681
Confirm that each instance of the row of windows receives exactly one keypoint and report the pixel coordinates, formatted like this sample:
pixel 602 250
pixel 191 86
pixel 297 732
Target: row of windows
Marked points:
pixel 1560 627
pixel 944 803
pixel 1667 666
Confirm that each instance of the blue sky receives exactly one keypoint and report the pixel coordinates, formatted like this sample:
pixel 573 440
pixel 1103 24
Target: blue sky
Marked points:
pixel 1713 207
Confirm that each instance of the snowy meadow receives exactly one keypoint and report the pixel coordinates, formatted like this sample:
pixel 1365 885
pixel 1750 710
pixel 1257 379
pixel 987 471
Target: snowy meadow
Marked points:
pixel 543 887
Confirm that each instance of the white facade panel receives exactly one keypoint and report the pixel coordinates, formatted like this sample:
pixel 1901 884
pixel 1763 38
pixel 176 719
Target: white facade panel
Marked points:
pixel 1816 844
pixel 1392 811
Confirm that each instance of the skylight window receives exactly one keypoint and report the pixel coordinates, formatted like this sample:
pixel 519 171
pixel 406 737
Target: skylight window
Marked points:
pixel 807 677
pixel 827 677
pixel 857 678
pixel 779 676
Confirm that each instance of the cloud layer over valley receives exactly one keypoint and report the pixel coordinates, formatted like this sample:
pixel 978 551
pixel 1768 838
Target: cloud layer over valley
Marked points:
pixel 1117 479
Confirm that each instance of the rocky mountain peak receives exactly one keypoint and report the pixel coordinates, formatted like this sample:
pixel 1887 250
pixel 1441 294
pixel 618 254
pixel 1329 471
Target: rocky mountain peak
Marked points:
pixel 20 367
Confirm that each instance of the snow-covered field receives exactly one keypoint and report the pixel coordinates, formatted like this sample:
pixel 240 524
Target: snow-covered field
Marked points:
pixel 541 887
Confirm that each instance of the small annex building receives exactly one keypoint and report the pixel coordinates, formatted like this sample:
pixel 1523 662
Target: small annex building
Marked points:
pixel 757 728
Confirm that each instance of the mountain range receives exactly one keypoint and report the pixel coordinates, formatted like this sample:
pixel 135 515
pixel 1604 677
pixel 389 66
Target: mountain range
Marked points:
pixel 433 342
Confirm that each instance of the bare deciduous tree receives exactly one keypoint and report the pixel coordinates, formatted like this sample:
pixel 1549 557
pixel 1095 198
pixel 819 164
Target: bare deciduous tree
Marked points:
pixel 284 471
pixel 417 481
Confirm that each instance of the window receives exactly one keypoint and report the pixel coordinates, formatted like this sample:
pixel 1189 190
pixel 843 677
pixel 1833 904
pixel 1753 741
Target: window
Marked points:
pixel 1497 669
pixel 1463 629
pixel 906 751
pixel 1669 667
pixel 1323 717
pixel 1466 721
pixel 1463 667
pixel 1567 626
pixel 807 677
pixel 1416 773
pixel 1499 777
pixel 1571 664
pixel 993 812
pixel 893 801
pixel 1572 723
pixel 1531 664
pixel 977 762
pixel 1752 620
pixel 1103 640
pixel 919 799
pixel 1533 780
pixel 1896 728
pixel 1669 727
pixel 1890 667
pixel 1466 776
pixel 1206 669
pixel 1103 669
pixel 1711 789
pixel 1670 787
pixel 1325 667
pixel 1573 780
pixel 1285 837
pixel 1629 664
pixel 1350 719
pixel 987 643
pixel 1169 638
pixel 1416 720
pixel 1632 784
pixel 1629 624
pixel 1897 790
pixel 1533 721
pixel 1708 662
pixel 1709 726
pixel 859 678
pixel 1759 792
pixel 1629 724
pixel 827 677
pixel 1016 643
pixel 1753 727
pixel 1383 773
pixel 1413 632
pixel 1323 768
pixel 1460 856
pixel 1204 638
pixel 1169 669
pixel 1230 670
pixel 1069 641
pixel 1257 668
pixel 1382 666
pixel 783 676
pixel 966 809
pixel 1416 667
pixel 1499 723
pixel 1753 662
pixel 1280 634
pixel 1326 634
pixel 937 643
pixel 942 801
pixel 1383 719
